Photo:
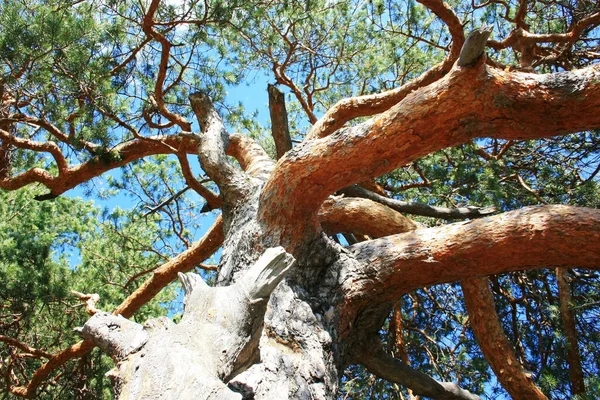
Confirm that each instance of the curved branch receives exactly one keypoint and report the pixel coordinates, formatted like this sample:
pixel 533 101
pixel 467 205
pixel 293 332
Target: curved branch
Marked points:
pixel 253 159
pixel 167 272
pixel 118 156
pixel 534 237
pixel 158 98
pixel 212 200
pixel 447 14
pixel 24 347
pixel 381 364
pixel 77 350
pixel 493 103
pixel 493 342
pixel 419 208
pixel 363 217
pixel 363 106
pixel 212 150
pixel 47 147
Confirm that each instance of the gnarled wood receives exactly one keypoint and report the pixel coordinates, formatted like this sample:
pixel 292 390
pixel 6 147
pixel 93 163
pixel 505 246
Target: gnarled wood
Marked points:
pixel 216 339
pixel 493 103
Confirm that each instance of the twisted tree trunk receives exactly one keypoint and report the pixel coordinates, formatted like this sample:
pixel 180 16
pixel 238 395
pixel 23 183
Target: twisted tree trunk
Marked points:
pixel 266 335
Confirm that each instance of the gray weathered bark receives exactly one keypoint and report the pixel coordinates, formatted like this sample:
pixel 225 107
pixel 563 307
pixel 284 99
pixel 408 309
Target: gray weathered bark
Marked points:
pixel 216 339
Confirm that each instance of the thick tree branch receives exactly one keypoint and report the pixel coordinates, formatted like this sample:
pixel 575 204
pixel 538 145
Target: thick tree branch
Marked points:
pixel 362 106
pixel 212 150
pixel 493 103
pixel 363 217
pixel 40 375
pixel 253 159
pixel 534 237
pixel 418 208
pixel 474 46
pixel 493 342
pixel 381 364
pixel 160 278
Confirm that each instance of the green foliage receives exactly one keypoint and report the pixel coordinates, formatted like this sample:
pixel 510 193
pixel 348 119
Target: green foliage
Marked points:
pixel 48 249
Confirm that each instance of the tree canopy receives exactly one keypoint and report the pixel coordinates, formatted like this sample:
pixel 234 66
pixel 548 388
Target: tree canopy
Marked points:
pixel 355 134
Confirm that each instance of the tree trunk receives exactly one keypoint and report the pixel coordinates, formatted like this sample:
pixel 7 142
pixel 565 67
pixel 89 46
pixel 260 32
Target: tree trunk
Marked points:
pixel 264 335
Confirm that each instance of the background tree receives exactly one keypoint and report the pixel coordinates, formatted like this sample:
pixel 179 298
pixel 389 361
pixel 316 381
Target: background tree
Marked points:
pixel 382 116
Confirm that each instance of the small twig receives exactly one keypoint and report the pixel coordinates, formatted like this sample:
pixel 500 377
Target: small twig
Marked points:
pixel 169 200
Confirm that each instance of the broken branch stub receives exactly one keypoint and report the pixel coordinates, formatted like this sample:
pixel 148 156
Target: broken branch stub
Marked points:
pixel 116 336
pixel 474 46
pixel 217 337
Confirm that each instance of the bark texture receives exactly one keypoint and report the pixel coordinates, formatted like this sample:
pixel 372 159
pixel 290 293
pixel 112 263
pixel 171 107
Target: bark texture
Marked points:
pixel 235 343
pixel 570 332
pixel 216 338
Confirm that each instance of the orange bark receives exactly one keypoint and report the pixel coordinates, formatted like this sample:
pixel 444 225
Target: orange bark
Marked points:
pixel 534 237
pixel 119 156
pixel 76 350
pixel 167 273
pixel 493 342
pixel 362 216
pixel 467 103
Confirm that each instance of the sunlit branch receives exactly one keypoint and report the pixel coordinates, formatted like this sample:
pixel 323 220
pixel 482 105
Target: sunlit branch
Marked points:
pixel 212 200
pixel 212 149
pixel 118 156
pixel 148 28
pixel 494 103
pixel 534 237
pixel 367 105
pixel 363 217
